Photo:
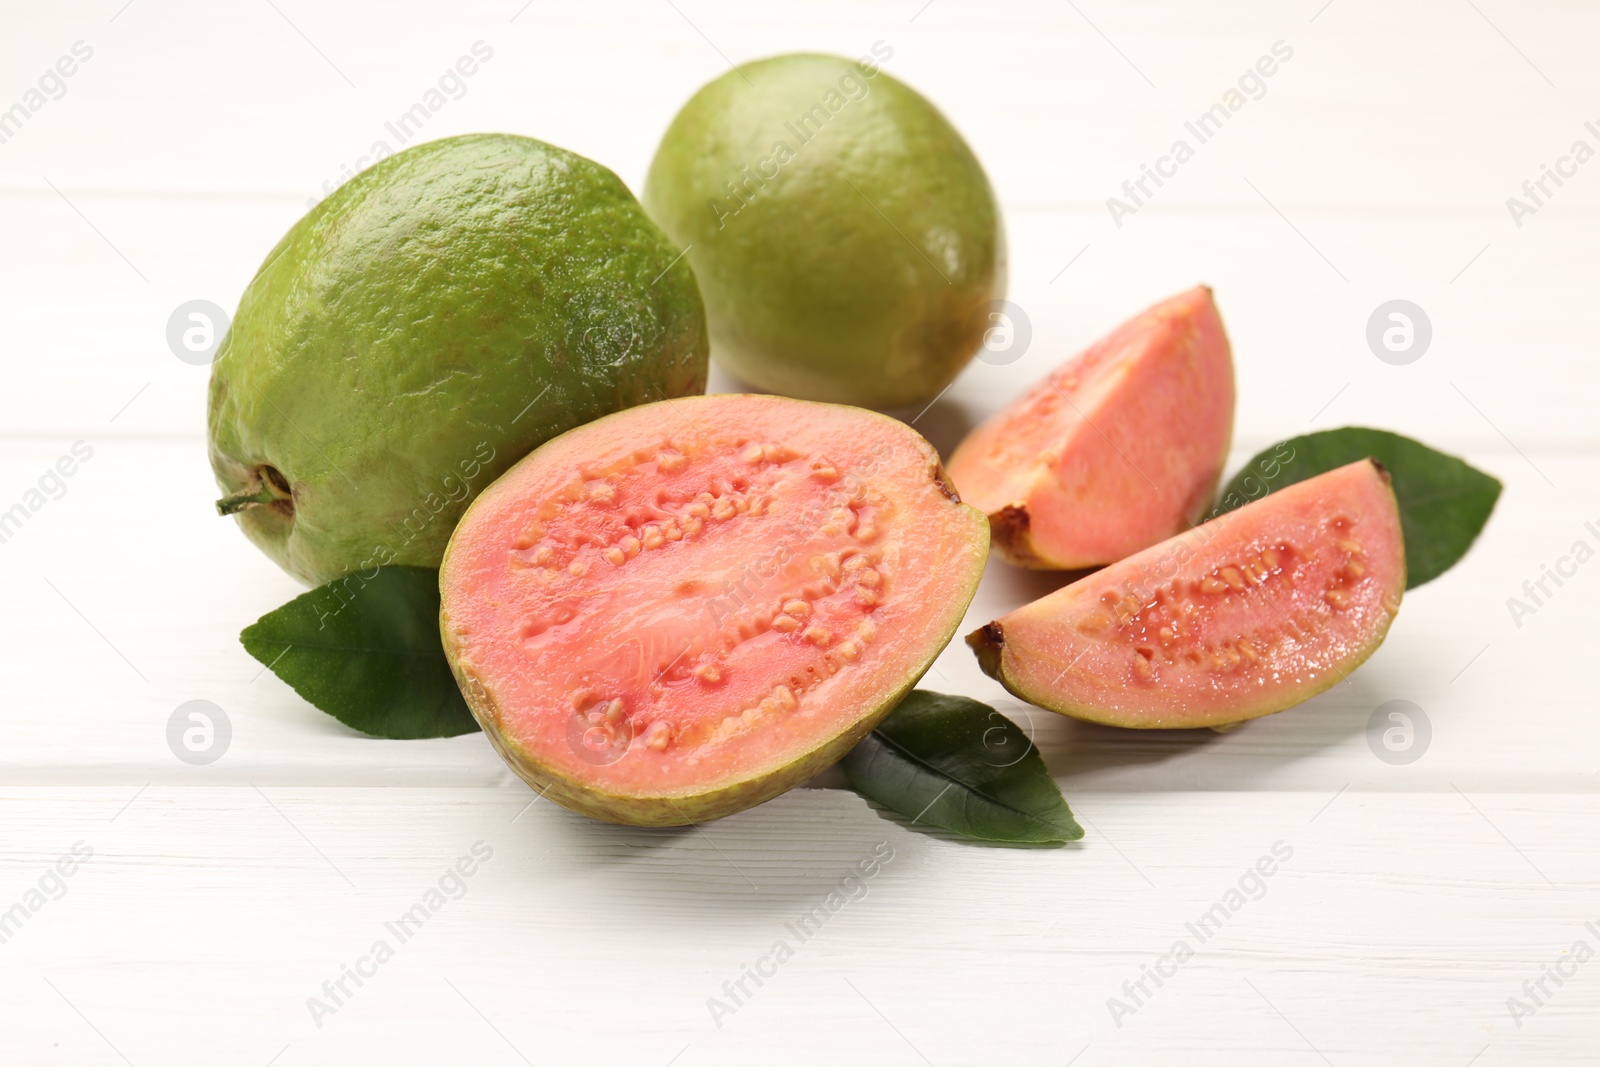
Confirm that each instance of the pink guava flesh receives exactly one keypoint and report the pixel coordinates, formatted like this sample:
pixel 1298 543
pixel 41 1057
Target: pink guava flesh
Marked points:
pixel 1118 449
pixel 1249 614
pixel 683 609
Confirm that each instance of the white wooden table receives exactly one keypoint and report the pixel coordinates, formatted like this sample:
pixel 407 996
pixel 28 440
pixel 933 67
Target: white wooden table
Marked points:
pixel 219 899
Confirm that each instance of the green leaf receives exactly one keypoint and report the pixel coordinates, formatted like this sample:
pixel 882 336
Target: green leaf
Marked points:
pixel 961 765
pixel 367 652
pixel 1444 503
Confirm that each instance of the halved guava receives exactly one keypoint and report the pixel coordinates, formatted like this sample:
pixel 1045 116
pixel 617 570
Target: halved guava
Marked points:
pixel 1249 614
pixel 682 610
pixel 1119 448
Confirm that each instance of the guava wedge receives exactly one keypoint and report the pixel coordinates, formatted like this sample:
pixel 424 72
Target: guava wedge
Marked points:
pixel 682 610
pixel 1117 449
pixel 1249 614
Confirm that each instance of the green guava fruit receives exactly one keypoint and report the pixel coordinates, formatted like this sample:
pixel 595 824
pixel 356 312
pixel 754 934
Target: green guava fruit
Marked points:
pixel 422 329
pixel 681 610
pixel 1117 449
pixel 845 237
pixel 1253 612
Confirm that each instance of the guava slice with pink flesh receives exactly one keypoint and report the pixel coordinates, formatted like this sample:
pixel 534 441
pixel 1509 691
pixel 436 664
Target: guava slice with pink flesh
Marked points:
pixel 1249 614
pixel 684 609
pixel 1119 448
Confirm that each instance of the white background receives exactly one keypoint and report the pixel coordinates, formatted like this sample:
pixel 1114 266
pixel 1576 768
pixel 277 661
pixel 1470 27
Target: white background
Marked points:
pixel 219 898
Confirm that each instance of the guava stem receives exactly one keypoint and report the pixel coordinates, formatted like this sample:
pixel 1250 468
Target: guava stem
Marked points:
pixel 264 494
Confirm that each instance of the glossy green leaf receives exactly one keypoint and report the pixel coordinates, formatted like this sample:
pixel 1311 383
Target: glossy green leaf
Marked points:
pixel 952 762
pixel 367 652
pixel 1444 503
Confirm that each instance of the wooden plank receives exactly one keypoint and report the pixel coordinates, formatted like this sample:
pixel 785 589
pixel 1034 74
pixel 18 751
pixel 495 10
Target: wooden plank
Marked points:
pixel 1299 332
pixel 1393 932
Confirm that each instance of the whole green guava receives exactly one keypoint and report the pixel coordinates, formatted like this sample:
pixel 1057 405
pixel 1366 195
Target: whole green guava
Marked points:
pixel 845 238
pixel 426 326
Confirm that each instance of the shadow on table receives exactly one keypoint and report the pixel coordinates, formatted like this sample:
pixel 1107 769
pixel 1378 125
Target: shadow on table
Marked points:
pixel 1257 753
pixel 944 423
pixel 1019 585
pixel 780 859
pixel 761 863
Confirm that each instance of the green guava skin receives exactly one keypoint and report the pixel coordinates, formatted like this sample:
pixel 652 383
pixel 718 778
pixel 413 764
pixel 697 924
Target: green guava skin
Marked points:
pixel 426 326
pixel 859 270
